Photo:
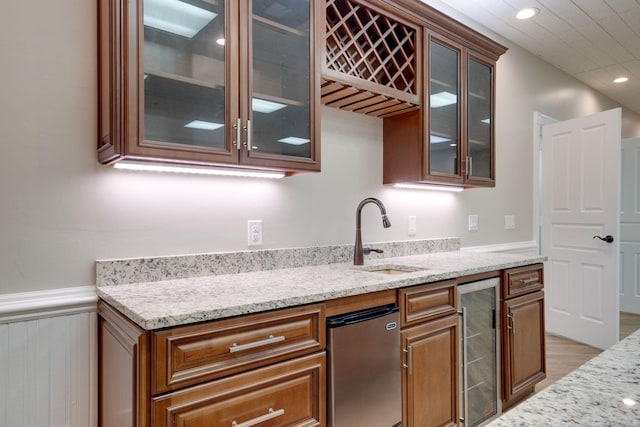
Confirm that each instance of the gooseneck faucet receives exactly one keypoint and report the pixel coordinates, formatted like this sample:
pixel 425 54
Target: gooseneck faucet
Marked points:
pixel 359 251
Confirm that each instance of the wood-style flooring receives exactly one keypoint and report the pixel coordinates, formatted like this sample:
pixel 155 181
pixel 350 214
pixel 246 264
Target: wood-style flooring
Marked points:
pixel 564 355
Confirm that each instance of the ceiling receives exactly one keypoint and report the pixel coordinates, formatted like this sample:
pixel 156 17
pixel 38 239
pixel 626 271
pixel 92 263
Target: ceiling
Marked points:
pixel 595 41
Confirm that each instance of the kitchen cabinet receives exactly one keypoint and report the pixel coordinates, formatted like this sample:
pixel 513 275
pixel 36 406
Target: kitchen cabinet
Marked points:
pixel 267 366
pixel 230 84
pixel 370 58
pixel 429 337
pixel 523 333
pixel 451 139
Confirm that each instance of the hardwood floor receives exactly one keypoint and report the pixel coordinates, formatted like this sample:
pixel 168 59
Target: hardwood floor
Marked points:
pixel 564 355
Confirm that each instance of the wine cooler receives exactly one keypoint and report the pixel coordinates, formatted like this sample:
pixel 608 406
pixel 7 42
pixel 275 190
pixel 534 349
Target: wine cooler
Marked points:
pixel 479 352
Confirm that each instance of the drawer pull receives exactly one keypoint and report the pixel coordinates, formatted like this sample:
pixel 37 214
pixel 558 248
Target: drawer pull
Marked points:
pixel 529 280
pixel 240 347
pixel 266 417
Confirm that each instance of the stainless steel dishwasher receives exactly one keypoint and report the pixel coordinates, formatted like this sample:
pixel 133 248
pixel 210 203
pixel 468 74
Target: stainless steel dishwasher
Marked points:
pixel 364 369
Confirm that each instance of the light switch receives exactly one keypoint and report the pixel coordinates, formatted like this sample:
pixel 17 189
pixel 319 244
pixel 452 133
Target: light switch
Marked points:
pixel 509 222
pixel 411 225
pixel 473 222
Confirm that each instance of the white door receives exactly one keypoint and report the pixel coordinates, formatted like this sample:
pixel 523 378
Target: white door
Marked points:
pixel 630 228
pixel 580 200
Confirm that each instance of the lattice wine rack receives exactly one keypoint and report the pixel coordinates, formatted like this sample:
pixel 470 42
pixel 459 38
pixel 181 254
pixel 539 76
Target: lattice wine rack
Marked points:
pixel 371 62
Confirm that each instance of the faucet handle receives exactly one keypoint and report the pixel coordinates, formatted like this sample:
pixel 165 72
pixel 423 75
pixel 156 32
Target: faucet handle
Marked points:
pixel 367 251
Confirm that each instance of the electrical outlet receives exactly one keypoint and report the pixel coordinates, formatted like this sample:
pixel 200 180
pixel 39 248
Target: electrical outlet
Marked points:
pixel 473 222
pixel 254 232
pixel 509 222
pixel 411 225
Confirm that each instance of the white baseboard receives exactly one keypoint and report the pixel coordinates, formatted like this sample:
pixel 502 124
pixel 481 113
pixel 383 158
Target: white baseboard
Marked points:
pixel 528 247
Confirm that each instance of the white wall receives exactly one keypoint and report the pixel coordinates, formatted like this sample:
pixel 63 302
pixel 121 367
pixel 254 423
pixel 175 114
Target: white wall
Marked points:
pixel 60 210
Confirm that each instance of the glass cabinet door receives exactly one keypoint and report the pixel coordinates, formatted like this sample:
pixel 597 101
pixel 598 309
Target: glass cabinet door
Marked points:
pixel 444 118
pixel 479 119
pixel 184 73
pixel 280 111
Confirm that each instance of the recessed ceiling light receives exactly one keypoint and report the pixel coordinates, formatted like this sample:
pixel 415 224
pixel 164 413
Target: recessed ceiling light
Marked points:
pixel 263 106
pixel 526 13
pixel 201 124
pixel 177 17
pixel 220 41
pixel 294 140
pixel 629 402
pixel 442 99
pixel 621 79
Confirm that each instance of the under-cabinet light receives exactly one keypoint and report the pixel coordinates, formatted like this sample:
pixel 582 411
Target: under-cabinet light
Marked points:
pixel 435 139
pixel 177 17
pixel 621 79
pixel 430 187
pixel 526 13
pixel 263 106
pixel 294 140
pixel 201 124
pixel 196 170
pixel 442 99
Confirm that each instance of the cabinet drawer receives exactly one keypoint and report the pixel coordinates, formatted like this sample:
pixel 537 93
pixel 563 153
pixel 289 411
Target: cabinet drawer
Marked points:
pixel 522 280
pixel 286 394
pixel 193 354
pixel 426 302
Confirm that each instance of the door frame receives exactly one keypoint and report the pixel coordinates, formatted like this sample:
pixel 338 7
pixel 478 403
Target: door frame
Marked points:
pixel 539 121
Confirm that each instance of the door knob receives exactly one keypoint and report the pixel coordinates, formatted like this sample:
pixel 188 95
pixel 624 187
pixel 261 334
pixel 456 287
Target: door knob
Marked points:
pixel 608 238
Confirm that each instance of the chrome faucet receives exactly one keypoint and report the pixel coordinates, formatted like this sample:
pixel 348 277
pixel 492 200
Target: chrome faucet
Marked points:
pixel 359 251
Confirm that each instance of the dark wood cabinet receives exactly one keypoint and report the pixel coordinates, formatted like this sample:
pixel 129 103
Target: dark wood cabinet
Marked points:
pixel 256 368
pixel 231 84
pixel 287 394
pixel 451 139
pixel 523 333
pixel 430 337
pixel 430 378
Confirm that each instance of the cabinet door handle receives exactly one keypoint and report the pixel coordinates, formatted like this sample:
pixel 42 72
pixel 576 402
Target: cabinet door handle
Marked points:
pixel 262 418
pixel 511 324
pixel 238 128
pixel 240 347
pixel 470 165
pixel 409 353
pixel 247 128
pixel 529 280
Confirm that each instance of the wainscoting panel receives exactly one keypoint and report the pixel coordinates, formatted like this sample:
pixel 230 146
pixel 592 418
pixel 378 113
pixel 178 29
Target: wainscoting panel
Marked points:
pixel 48 363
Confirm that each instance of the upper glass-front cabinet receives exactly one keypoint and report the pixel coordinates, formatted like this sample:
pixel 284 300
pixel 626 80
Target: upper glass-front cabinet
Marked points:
pixel 209 82
pixel 184 73
pixel 459 128
pixel 444 110
pixel 280 85
pixel 480 114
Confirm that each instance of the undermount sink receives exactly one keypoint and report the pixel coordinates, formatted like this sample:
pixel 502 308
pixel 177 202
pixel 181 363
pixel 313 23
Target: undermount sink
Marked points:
pixel 392 269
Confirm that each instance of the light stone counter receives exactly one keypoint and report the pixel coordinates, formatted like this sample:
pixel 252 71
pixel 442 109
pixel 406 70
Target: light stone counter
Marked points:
pixel 592 395
pixel 165 303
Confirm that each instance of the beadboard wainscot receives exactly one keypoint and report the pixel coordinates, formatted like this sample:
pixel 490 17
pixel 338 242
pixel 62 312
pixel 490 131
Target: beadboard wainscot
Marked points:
pixel 48 358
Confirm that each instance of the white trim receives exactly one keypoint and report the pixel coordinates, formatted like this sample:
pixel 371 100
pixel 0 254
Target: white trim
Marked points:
pixel 539 121
pixel 24 306
pixel 515 248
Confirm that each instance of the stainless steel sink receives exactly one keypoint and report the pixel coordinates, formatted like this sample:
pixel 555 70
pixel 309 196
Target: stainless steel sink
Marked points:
pixel 391 269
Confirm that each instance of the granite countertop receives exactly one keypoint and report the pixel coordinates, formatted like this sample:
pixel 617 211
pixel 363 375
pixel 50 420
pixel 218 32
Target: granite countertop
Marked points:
pixel 165 303
pixel 601 392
